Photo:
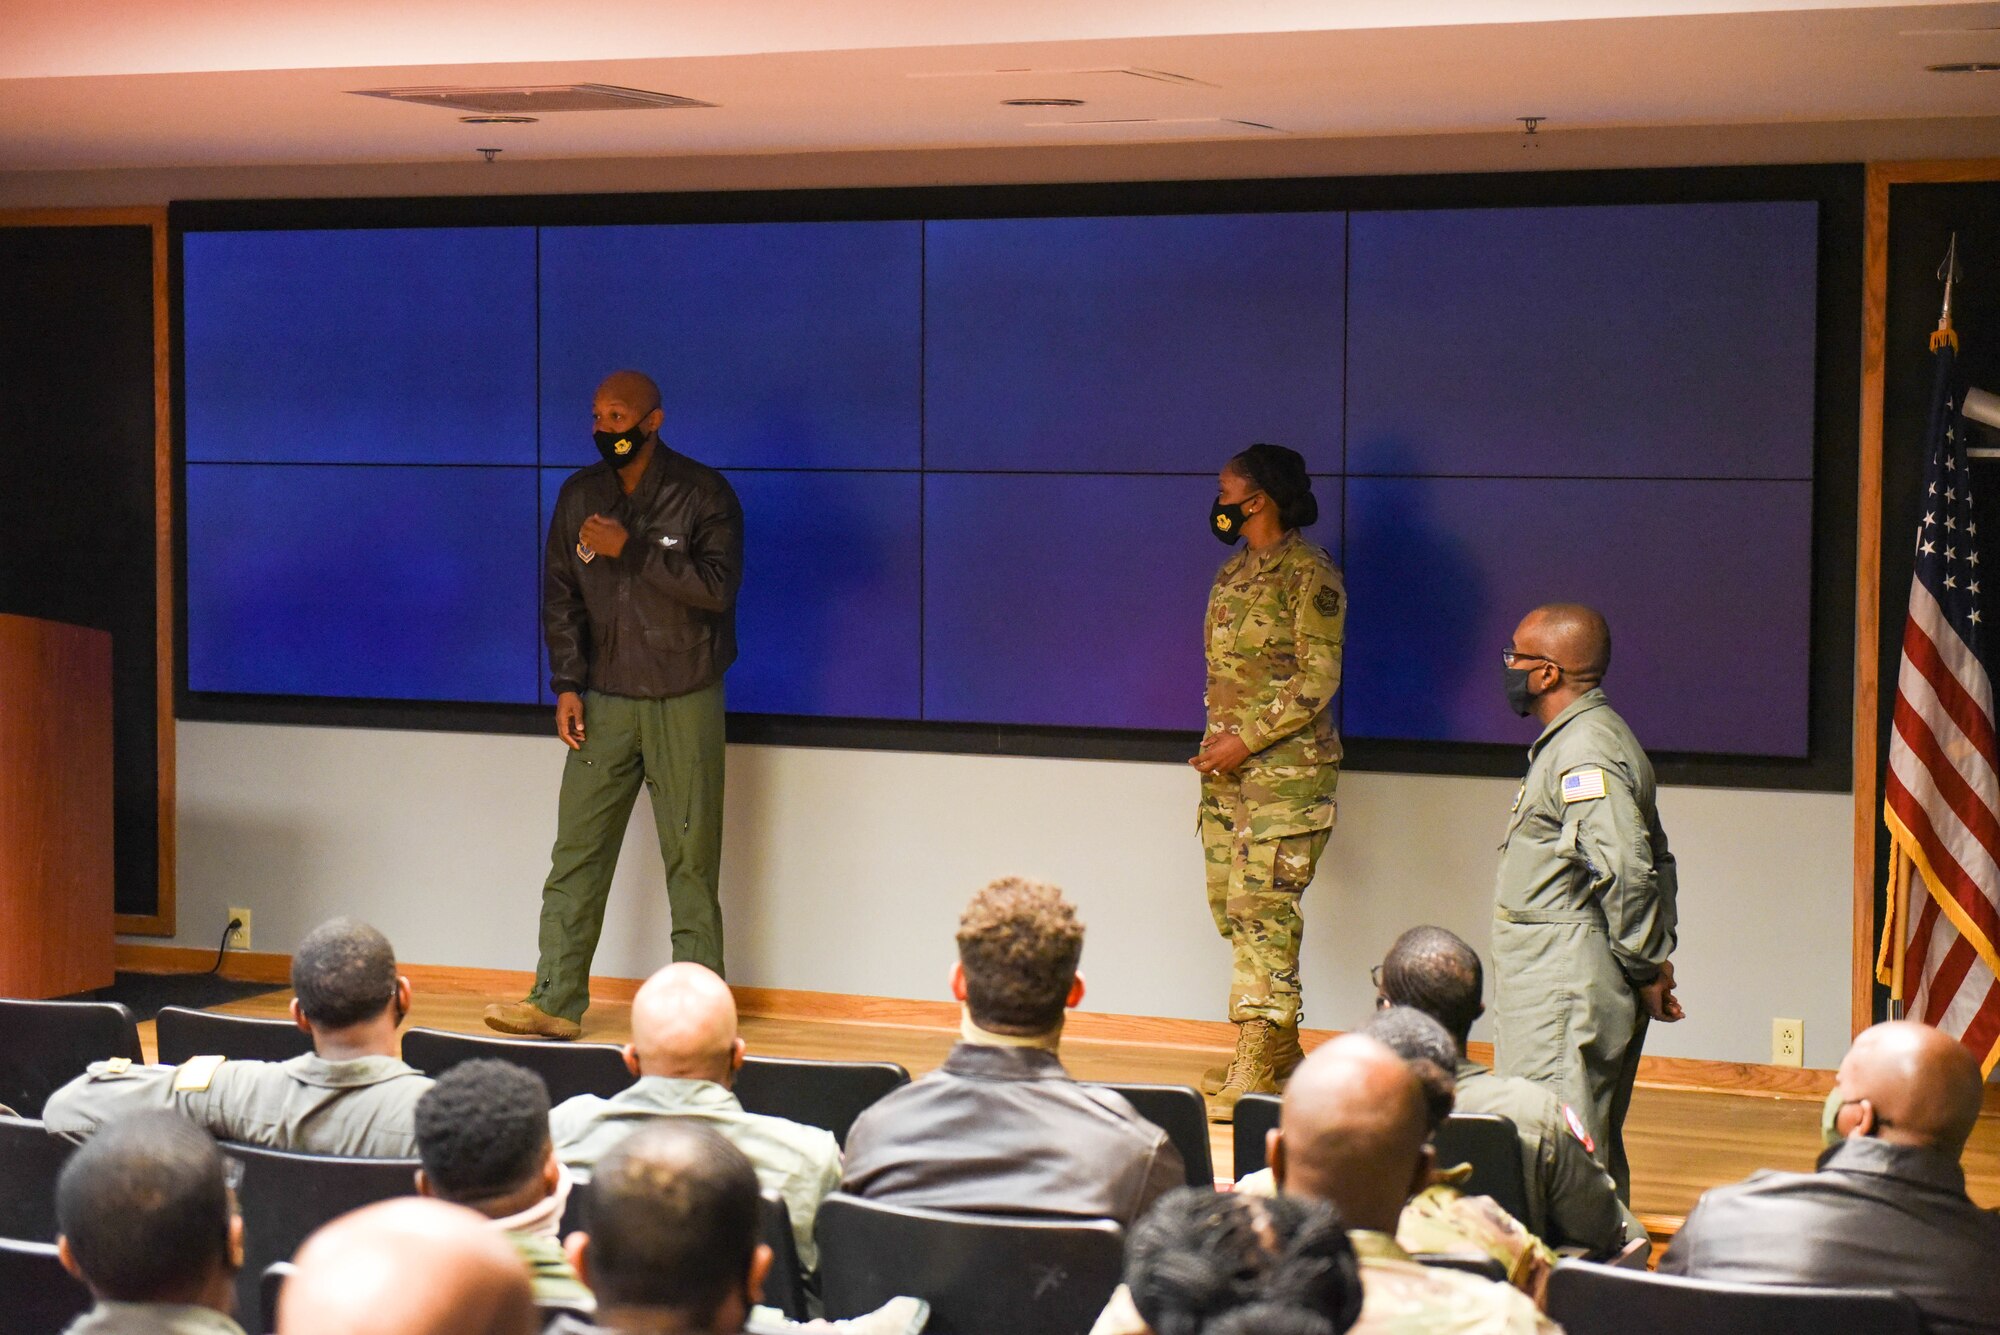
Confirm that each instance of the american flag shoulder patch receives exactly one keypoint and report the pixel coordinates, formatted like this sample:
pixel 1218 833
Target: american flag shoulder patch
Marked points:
pixel 1583 785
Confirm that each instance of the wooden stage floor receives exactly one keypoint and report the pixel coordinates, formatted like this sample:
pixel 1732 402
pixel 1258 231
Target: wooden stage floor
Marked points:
pixel 1681 1141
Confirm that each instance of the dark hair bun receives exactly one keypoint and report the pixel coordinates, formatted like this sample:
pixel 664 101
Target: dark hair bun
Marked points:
pixel 1280 473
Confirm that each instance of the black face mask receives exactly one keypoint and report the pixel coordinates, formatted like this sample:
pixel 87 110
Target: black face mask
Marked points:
pixel 1519 697
pixel 619 447
pixel 1226 522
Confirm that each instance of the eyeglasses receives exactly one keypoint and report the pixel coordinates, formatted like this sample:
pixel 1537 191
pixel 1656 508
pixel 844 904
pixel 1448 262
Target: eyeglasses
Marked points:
pixel 1512 656
pixel 1382 1001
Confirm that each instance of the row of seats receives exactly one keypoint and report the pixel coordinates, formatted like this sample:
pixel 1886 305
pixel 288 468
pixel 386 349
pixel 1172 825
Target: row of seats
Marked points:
pixel 984 1276
pixel 978 1274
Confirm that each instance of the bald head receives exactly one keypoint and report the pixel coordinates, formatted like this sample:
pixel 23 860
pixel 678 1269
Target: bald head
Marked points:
pixel 1576 638
pixel 633 390
pixel 410 1266
pixel 1354 1132
pixel 1913 1084
pixel 684 1026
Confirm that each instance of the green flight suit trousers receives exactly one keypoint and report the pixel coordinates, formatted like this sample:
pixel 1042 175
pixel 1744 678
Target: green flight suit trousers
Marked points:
pixel 675 747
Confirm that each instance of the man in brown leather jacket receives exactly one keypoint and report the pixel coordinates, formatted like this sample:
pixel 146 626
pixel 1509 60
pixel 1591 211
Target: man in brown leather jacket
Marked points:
pixel 1001 1128
pixel 644 557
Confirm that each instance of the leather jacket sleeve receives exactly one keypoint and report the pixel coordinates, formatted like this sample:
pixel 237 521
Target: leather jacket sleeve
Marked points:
pixel 565 623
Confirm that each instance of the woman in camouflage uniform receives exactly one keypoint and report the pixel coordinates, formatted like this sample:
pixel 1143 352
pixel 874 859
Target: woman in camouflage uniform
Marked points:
pixel 1270 755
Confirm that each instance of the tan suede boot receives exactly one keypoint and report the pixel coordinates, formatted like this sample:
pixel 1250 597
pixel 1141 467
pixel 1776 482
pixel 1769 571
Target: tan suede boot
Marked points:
pixel 1251 1071
pixel 526 1018
pixel 1286 1054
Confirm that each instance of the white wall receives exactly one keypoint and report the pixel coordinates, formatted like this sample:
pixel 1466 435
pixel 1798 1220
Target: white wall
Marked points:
pixel 844 871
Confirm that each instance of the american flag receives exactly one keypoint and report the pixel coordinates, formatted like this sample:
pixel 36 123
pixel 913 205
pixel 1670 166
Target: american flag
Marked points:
pixel 1943 786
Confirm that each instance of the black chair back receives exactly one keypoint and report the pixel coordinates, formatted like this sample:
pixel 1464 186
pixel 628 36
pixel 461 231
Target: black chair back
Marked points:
pixel 185 1033
pixel 568 1069
pixel 1492 1145
pixel 30 1159
pixel 1588 1299
pixel 827 1094
pixel 981 1275
pixel 785 1284
pixel 285 1196
pixel 269 1288
pixel 40 1297
pixel 1178 1111
pixel 1465 1263
pixel 1256 1114
pixel 46 1044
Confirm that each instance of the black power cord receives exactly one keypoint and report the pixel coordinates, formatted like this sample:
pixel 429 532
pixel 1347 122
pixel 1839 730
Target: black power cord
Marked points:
pixel 227 932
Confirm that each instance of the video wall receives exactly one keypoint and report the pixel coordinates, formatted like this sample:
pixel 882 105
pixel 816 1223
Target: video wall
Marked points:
pixel 976 455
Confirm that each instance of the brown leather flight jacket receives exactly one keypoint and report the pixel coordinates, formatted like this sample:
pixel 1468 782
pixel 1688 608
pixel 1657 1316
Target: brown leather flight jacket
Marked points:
pixel 659 619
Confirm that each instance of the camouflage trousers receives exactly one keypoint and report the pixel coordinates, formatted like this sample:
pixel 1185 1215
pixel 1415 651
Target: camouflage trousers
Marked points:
pixel 1254 887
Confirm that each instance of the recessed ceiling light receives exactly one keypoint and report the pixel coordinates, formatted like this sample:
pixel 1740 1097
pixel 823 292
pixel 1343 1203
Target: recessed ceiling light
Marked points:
pixel 1966 67
pixel 1042 102
pixel 500 120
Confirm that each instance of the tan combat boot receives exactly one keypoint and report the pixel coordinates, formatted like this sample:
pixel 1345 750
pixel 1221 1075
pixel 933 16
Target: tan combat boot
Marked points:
pixel 1250 1073
pixel 1286 1054
pixel 525 1017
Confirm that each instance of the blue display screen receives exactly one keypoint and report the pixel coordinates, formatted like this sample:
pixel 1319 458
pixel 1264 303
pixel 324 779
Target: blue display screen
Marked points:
pixel 976 456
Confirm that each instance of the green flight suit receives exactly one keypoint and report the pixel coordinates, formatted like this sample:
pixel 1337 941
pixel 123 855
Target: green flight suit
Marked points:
pixel 1571 1199
pixel 365 1108
pixel 1585 914
pixel 1275 627
pixel 674 746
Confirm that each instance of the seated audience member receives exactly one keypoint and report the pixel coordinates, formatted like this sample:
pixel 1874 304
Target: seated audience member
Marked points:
pixel 1000 1128
pixel 1442 1217
pixel 686 1052
pixel 673 1235
pixel 407 1267
pixel 1202 1263
pixel 1887 1208
pixel 483 1136
pixel 351 1095
pixel 1572 1201
pixel 146 1221
pixel 1354 1132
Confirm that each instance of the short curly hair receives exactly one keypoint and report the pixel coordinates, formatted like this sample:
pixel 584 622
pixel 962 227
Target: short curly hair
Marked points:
pixel 483 1130
pixel 1019 941
pixel 344 972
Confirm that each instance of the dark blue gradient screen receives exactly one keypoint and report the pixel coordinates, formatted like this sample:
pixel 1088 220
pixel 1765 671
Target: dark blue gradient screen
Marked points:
pixel 976 456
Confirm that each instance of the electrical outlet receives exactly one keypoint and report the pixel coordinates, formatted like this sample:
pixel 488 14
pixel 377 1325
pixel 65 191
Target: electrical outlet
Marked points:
pixel 1788 1042
pixel 240 938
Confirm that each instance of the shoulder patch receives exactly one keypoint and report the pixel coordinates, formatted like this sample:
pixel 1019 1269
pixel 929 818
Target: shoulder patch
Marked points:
pixel 117 1066
pixel 1576 1128
pixel 1583 785
pixel 197 1073
pixel 1327 601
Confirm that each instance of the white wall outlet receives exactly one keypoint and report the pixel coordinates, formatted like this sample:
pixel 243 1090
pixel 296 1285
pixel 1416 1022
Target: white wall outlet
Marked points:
pixel 1788 1042
pixel 239 939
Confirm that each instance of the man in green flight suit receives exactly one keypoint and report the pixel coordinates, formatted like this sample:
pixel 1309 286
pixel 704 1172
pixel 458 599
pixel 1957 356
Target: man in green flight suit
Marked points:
pixel 644 558
pixel 1585 916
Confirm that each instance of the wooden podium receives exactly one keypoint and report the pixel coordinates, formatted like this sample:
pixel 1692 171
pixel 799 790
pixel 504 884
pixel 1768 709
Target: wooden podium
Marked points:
pixel 55 808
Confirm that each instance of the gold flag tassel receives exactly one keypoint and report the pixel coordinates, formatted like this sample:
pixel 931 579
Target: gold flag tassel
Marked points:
pixel 1895 926
pixel 1945 334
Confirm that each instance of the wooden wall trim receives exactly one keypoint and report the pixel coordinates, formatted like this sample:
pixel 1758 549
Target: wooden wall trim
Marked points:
pixel 1868 593
pixel 1868 685
pixel 161 922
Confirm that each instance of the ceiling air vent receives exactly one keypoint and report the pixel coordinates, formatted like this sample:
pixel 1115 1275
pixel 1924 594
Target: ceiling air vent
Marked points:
pixel 537 100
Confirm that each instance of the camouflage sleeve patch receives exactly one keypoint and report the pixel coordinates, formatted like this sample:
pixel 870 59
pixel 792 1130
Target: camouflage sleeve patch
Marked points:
pixel 1327 601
